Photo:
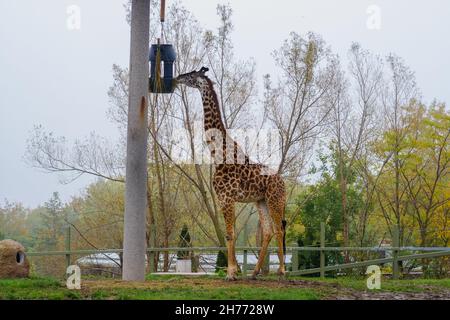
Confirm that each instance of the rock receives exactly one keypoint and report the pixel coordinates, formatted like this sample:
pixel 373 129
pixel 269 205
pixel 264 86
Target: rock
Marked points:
pixel 13 261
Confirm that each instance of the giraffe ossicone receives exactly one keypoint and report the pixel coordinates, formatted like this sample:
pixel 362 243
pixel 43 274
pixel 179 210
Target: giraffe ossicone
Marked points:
pixel 237 179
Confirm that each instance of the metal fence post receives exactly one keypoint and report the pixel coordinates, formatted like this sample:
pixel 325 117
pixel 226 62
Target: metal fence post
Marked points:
pixel 244 266
pixel 68 258
pixel 294 258
pixel 395 244
pixel 322 252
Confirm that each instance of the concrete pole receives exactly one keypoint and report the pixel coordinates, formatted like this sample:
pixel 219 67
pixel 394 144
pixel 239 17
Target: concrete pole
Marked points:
pixel 134 243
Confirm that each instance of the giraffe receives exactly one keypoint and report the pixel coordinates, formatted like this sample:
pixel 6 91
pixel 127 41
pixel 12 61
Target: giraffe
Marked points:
pixel 237 179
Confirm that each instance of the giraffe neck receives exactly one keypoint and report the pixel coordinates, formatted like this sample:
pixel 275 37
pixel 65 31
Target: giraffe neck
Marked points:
pixel 214 126
pixel 211 109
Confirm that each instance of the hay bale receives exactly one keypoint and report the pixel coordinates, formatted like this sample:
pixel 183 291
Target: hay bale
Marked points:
pixel 13 261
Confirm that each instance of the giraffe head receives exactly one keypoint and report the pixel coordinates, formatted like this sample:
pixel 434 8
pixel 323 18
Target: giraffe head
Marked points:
pixel 193 79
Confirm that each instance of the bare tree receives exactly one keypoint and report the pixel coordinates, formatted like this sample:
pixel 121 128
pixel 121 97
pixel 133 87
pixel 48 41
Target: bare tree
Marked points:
pixel 236 88
pixel 93 155
pixel 235 81
pixel 354 104
pixel 183 109
pixel 398 91
pixel 296 105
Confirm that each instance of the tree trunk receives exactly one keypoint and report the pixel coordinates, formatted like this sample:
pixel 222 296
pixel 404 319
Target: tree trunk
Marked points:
pixel 345 224
pixel 209 208
pixel 345 220
pixel 166 253
pixel 151 230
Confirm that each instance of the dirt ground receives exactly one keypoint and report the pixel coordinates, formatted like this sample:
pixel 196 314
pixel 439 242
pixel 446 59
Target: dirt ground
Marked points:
pixel 331 291
pixel 338 292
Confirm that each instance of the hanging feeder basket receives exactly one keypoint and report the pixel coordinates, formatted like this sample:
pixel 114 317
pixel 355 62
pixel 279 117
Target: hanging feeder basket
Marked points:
pixel 162 57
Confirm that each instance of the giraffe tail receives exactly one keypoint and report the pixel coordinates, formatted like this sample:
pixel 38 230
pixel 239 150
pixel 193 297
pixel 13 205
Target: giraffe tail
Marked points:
pixel 284 222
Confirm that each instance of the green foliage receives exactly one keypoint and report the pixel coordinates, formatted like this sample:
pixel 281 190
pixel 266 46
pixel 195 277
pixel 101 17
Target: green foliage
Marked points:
pixel 185 242
pixel 221 272
pixel 413 187
pixel 13 223
pixel 53 223
pixel 100 213
pixel 437 268
pixel 322 202
pixel 221 262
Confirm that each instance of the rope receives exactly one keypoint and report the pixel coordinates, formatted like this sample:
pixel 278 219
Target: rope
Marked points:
pixel 163 10
pixel 162 18
pixel 159 84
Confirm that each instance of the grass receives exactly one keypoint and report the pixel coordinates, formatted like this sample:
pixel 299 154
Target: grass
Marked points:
pixel 388 285
pixel 206 287
pixel 35 288
pixel 236 293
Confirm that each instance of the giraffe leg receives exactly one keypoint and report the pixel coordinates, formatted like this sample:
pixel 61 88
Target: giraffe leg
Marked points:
pixel 267 230
pixel 228 212
pixel 279 234
pixel 276 203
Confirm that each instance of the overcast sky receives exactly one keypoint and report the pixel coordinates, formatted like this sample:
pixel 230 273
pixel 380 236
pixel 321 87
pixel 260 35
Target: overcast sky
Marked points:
pixel 58 78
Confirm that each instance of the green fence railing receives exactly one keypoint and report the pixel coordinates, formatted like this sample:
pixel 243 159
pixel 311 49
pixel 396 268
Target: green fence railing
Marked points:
pixel 396 257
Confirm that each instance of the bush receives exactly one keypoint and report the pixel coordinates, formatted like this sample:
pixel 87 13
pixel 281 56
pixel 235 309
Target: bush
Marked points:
pixel 436 268
pixel 185 242
pixel 311 259
pixel 221 261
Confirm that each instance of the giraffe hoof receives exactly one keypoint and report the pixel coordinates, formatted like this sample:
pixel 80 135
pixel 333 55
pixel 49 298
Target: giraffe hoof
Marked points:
pixel 281 273
pixel 254 277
